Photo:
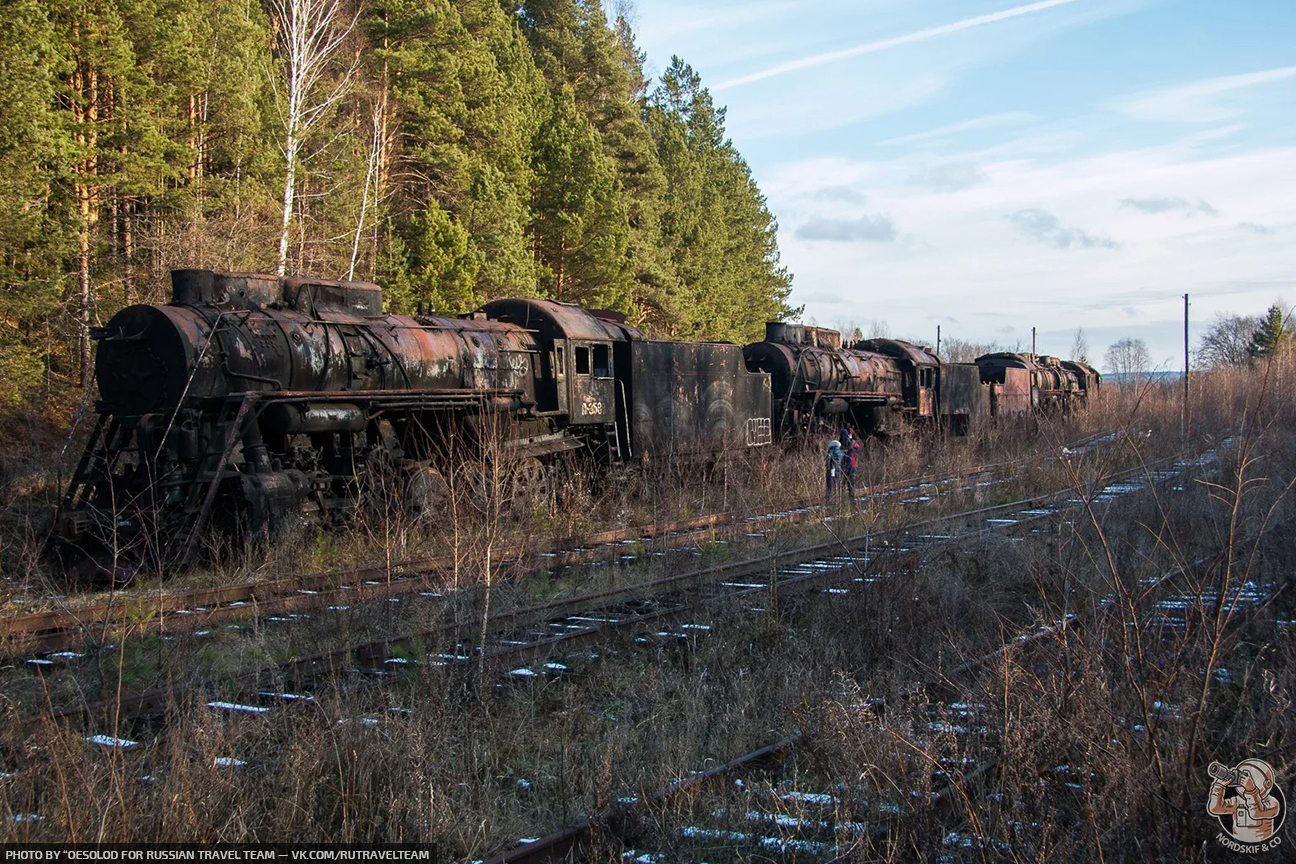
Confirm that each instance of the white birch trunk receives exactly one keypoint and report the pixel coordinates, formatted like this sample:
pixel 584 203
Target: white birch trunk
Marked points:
pixel 309 32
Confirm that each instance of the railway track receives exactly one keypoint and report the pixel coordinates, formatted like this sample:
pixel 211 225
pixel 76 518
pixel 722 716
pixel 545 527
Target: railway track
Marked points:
pixel 62 630
pixel 761 803
pixel 629 819
pixel 535 634
pixel 952 746
pixel 540 634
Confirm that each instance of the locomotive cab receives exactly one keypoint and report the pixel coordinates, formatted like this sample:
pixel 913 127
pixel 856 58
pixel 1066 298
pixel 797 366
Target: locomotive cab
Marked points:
pixel 577 346
pixel 591 387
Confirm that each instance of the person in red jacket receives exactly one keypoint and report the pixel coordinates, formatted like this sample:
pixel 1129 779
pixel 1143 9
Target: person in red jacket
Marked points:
pixel 850 446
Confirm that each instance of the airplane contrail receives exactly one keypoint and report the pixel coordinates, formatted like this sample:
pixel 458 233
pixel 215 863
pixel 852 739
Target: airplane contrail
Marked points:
pixel 884 44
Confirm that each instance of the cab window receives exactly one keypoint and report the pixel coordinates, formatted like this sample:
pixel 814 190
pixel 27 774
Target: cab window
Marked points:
pixel 601 365
pixel 582 360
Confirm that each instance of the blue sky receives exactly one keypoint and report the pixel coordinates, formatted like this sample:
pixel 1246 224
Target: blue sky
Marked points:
pixel 993 166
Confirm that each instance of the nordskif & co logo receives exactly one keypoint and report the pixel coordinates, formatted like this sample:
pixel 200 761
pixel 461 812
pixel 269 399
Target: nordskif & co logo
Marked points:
pixel 1248 804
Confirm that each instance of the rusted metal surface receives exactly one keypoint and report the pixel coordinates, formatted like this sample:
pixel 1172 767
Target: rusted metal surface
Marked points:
pixel 964 398
pixel 1039 383
pixel 919 372
pixel 915 355
pixel 554 320
pixel 382 389
pixel 151 356
pixel 690 399
pixel 814 388
pixel 1087 377
pixel 874 385
pixel 270 401
pixel 803 334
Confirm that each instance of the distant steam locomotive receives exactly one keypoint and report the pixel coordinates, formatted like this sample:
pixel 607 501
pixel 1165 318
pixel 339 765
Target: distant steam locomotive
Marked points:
pixel 881 386
pixel 255 402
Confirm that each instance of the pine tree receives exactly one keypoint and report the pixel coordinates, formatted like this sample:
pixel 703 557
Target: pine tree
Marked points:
pixel 433 266
pixel 466 113
pixel 96 87
pixel 36 229
pixel 580 223
pixel 224 138
pixel 1273 334
pixel 716 227
pixel 576 47
pixel 496 220
pixel 483 153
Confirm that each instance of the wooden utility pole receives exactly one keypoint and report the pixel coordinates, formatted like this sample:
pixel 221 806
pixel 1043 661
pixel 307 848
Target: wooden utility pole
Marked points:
pixel 1185 393
pixel 1033 351
pixel 938 339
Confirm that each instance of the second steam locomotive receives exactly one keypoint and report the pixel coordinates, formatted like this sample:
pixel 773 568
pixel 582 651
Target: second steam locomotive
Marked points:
pixel 258 401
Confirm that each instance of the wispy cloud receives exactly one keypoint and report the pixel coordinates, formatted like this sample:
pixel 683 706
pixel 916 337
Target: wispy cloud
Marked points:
pixel 886 44
pixel 1043 227
pixel 1196 102
pixel 878 229
pixel 949 177
pixel 686 18
pixel 1165 204
pixel 976 124
pixel 844 194
pixel 1255 228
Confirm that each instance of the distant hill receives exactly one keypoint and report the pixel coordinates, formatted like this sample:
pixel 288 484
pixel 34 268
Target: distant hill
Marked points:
pixel 1155 376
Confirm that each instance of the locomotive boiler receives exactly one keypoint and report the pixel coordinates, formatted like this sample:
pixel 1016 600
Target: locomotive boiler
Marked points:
pixel 263 400
pixel 877 386
pixel 1036 382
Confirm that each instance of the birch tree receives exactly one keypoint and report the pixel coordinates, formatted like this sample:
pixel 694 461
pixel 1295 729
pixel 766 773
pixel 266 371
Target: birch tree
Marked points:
pixel 1227 341
pixel 1129 359
pixel 371 170
pixel 309 33
pixel 1080 346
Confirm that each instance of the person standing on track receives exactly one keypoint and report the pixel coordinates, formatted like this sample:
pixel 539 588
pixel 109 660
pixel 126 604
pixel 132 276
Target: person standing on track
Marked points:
pixel 849 445
pixel 833 466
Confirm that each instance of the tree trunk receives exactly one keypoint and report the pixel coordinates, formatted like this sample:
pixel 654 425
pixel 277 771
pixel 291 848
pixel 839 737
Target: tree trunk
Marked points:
pixel 85 82
pixel 128 251
pixel 371 165
pixel 290 182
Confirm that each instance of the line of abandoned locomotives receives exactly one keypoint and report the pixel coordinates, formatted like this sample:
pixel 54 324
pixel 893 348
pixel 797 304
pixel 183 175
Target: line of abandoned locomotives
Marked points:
pixel 252 403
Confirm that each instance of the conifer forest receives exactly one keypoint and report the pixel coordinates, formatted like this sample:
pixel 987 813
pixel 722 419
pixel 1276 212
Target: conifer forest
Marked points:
pixel 453 151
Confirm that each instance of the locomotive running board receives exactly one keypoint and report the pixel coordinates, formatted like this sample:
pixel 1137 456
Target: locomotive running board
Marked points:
pixel 541 445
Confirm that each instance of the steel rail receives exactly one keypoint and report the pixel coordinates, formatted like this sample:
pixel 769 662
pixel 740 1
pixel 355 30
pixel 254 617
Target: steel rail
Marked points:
pixel 63 629
pixel 297 670
pixel 573 843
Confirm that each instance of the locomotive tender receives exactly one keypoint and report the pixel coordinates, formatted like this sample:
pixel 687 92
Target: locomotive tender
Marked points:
pixel 254 402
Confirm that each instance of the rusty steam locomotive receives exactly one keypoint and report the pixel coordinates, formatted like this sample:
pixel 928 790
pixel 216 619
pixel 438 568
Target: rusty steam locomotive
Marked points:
pixel 252 402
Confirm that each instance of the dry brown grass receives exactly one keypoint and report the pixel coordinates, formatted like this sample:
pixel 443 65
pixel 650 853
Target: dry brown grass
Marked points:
pixel 641 715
